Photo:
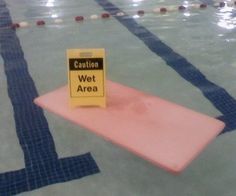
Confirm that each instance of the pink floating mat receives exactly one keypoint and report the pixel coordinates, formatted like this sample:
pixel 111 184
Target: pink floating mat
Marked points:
pixel 166 134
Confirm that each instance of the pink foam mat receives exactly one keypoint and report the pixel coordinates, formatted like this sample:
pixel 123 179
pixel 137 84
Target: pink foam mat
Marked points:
pixel 164 133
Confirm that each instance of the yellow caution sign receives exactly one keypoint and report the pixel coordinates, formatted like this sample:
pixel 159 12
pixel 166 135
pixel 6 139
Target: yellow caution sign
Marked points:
pixel 86 77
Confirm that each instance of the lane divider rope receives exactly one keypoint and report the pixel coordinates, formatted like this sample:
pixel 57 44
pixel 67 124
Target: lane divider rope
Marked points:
pixel 139 13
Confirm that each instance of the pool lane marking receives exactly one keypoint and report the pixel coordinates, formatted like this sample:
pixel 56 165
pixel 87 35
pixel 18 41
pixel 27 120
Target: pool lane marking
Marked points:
pixel 229 118
pixel 217 95
pixel 42 166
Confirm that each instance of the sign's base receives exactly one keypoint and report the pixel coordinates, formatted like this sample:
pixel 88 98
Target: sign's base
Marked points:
pixel 93 102
pixel 162 132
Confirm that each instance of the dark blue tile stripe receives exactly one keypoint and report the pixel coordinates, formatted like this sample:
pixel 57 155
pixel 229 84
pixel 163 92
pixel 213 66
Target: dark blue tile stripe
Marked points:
pixel 42 166
pixel 218 96
pixel 46 173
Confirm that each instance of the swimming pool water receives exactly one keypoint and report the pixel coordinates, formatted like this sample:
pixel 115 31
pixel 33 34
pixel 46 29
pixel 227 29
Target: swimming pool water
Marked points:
pixel 204 38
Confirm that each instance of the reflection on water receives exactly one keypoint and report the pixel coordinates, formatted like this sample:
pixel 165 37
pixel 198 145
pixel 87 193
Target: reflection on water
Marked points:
pixel 50 3
pixel 227 17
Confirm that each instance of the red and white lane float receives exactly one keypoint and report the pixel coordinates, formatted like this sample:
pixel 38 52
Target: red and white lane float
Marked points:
pixel 141 13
